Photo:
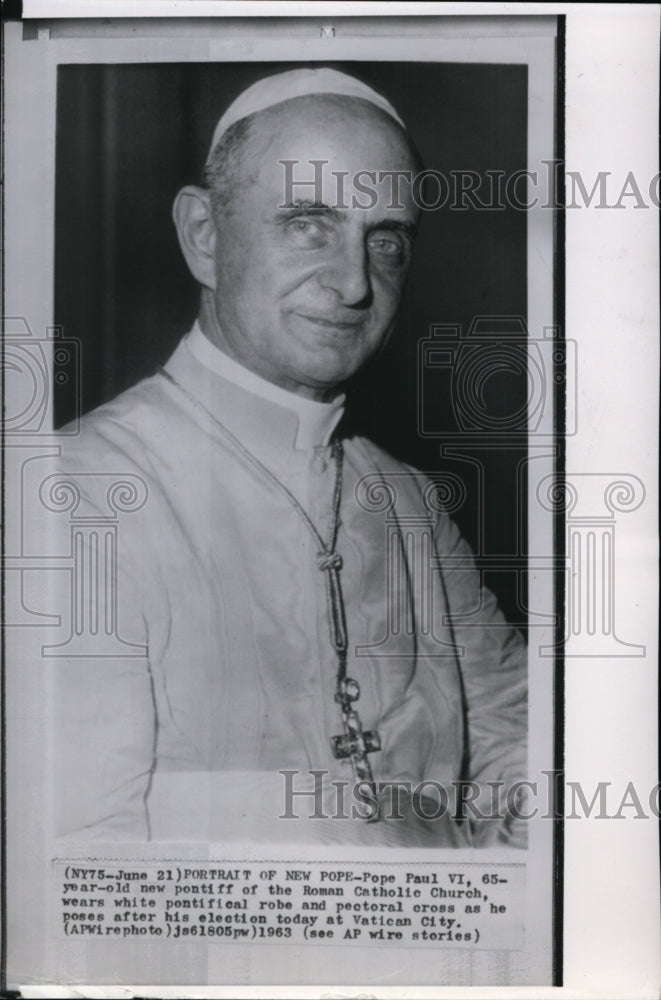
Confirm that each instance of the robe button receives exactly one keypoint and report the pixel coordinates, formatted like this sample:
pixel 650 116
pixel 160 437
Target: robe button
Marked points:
pixel 319 465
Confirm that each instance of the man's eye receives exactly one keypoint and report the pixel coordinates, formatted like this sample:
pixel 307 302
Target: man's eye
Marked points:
pixel 303 225
pixel 389 246
pixel 306 233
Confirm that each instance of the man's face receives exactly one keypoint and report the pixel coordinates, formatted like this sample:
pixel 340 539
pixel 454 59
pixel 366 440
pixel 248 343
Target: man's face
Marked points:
pixel 306 294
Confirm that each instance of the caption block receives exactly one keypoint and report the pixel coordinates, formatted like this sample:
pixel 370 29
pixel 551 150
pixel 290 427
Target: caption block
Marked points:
pixel 456 905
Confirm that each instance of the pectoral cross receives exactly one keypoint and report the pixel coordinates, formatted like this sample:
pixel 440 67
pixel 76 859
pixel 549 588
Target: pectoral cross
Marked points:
pixel 355 744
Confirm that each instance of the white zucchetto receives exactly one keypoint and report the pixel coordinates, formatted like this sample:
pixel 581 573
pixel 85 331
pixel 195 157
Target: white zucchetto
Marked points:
pixel 283 87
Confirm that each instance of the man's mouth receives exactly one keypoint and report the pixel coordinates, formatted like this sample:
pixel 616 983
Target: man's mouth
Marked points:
pixel 331 323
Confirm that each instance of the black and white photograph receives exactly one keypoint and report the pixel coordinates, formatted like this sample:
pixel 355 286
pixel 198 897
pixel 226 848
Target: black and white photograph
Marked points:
pixel 298 562
pixel 305 601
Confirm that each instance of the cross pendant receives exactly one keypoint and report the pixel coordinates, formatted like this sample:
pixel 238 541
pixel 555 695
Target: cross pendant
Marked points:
pixel 356 746
pixel 355 743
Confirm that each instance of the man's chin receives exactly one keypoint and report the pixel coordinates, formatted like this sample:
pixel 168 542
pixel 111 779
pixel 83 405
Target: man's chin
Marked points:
pixel 328 378
pixel 334 361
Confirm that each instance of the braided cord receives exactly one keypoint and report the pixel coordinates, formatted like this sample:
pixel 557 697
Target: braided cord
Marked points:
pixel 329 561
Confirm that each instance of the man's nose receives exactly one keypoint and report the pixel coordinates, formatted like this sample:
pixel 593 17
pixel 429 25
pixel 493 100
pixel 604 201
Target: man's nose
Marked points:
pixel 347 273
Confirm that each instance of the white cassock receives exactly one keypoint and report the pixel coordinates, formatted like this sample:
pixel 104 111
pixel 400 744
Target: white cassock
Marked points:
pixel 218 580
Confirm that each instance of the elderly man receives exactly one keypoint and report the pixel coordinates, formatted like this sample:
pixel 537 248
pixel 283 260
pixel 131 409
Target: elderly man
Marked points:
pixel 258 576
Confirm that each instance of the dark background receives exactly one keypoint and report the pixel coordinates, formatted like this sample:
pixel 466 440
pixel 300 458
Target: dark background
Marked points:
pixel 129 136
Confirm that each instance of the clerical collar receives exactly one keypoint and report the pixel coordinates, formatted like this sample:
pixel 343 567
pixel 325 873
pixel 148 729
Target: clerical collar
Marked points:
pixel 316 421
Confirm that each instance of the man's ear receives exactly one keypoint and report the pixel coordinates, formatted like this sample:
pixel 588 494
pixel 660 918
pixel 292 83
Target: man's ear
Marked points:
pixel 193 218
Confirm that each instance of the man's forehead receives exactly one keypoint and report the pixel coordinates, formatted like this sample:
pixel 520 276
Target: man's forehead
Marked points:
pixel 306 156
pixel 324 117
pixel 347 134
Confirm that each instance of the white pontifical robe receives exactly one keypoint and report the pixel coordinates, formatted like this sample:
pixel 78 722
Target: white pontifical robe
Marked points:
pixel 232 678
